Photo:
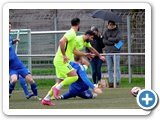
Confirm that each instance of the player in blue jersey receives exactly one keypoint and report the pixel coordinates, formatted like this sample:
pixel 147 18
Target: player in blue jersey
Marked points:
pixel 16 68
pixel 79 88
pixel 22 80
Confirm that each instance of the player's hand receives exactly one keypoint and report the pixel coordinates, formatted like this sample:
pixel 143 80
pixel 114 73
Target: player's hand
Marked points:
pixel 65 59
pixel 16 40
pixel 89 55
pixel 98 90
pixel 102 58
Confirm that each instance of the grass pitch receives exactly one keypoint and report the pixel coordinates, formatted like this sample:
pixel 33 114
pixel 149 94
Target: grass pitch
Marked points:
pixel 111 98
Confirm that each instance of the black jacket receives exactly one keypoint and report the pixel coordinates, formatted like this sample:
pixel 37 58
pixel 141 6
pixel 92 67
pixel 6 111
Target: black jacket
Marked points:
pixel 110 38
pixel 96 43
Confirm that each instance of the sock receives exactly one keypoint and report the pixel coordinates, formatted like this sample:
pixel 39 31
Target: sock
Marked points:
pixel 51 92
pixel 11 87
pixel 69 80
pixel 34 89
pixel 23 85
pixel 47 97
pixel 59 86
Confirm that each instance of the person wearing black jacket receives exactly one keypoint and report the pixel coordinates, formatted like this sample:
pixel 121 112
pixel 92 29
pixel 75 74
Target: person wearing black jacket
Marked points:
pixel 112 36
pixel 96 62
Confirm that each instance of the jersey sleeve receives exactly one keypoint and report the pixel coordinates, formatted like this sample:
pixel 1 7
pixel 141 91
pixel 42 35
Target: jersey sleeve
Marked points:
pixel 83 75
pixel 70 35
pixel 88 45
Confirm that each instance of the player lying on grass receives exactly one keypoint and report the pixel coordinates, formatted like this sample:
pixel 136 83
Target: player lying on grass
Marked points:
pixel 79 88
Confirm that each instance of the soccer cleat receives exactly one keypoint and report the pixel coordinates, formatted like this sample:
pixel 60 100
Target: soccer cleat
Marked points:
pixel 55 92
pixel 29 95
pixel 37 98
pixel 94 95
pixel 45 102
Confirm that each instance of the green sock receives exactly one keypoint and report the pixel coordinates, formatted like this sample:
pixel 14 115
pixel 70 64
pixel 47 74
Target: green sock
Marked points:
pixel 69 80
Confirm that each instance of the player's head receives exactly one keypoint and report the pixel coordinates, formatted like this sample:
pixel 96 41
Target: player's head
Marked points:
pixel 78 58
pixel 10 26
pixel 89 35
pixel 76 23
pixel 95 30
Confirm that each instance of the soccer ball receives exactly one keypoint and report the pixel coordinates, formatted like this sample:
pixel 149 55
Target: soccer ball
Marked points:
pixel 135 90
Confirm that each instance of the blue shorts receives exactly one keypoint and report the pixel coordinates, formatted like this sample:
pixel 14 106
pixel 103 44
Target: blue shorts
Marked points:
pixel 87 94
pixel 23 72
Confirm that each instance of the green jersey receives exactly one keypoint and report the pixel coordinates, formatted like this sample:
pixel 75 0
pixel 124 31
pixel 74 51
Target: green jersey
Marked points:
pixel 69 47
pixel 80 43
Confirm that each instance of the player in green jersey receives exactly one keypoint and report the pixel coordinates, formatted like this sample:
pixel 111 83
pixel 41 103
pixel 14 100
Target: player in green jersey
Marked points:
pixel 84 41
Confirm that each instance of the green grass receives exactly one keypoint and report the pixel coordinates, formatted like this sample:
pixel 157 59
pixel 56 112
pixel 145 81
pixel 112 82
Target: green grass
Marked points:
pixel 111 98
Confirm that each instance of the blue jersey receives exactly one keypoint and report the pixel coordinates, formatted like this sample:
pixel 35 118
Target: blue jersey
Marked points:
pixel 14 61
pixel 83 83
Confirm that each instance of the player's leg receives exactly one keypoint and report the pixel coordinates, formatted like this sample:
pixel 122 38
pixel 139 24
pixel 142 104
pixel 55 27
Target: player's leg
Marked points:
pixel 13 75
pixel 66 72
pixel 25 73
pixel 86 94
pixel 71 93
pixel 24 87
pixel 67 95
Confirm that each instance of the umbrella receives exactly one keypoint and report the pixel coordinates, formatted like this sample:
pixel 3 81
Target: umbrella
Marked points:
pixel 106 15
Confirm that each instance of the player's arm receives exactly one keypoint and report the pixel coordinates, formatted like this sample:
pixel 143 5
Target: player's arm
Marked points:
pixel 96 53
pixel 15 40
pixel 85 79
pixel 62 43
pixel 77 52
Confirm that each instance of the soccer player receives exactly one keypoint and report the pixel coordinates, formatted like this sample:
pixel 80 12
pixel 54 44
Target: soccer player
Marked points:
pixel 16 68
pixel 80 88
pixel 22 81
pixel 84 41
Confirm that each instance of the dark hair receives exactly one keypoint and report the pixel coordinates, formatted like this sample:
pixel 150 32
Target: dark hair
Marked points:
pixel 75 21
pixel 77 57
pixel 90 32
pixel 110 21
pixel 94 28
pixel 10 23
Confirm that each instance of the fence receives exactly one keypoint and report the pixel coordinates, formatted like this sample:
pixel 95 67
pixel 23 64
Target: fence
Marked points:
pixel 52 19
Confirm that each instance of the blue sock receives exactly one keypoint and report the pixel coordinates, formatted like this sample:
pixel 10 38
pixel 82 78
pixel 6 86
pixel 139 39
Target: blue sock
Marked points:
pixel 34 89
pixel 11 87
pixel 23 85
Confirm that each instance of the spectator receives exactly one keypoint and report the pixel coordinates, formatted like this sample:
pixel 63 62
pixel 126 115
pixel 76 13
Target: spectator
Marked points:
pixel 96 62
pixel 112 36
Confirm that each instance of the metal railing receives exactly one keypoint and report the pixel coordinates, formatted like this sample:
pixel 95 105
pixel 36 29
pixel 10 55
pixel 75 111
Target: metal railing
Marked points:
pixel 114 54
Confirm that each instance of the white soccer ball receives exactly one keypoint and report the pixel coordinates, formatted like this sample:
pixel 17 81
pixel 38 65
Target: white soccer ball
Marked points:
pixel 135 91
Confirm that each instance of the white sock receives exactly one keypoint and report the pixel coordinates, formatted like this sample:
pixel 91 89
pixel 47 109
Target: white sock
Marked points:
pixel 47 97
pixel 59 86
